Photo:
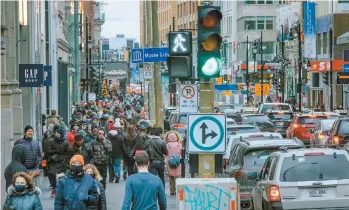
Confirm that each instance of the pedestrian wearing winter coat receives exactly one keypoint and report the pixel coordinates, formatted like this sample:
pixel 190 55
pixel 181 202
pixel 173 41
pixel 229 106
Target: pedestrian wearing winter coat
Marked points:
pixel 74 129
pixel 101 150
pixel 79 148
pixel 57 150
pixel 19 155
pixel 34 157
pixel 94 173
pixel 91 136
pixel 22 194
pixel 53 118
pixel 76 190
pixel 118 150
pixel 174 149
pixel 130 143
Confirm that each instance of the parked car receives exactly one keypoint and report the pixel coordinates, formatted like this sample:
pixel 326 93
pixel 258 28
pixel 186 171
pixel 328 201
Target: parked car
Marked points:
pixel 178 122
pixel 302 125
pixel 314 178
pixel 248 158
pixel 340 131
pixel 281 120
pixel 167 113
pixel 321 132
pixel 274 106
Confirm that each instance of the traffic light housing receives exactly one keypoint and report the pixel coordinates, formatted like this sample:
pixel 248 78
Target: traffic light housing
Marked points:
pixel 225 79
pixel 325 78
pixel 209 42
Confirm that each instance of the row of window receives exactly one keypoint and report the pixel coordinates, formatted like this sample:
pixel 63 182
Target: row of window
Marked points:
pixel 321 42
pixel 186 8
pixel 259 23
pixel 264 1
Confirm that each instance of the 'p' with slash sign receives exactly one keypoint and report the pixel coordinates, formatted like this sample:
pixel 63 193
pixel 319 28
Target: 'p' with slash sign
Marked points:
pixel 188 92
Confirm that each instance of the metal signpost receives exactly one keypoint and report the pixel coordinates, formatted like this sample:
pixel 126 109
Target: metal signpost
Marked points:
pixel 188 102
pixel 206 133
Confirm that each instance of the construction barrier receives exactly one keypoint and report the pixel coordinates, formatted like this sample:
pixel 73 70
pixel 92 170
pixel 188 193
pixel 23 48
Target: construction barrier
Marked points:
pixel 207 193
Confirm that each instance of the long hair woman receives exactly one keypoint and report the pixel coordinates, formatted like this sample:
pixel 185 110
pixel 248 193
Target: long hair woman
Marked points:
pixel 129 147
pixel 22 194
pixel 93 171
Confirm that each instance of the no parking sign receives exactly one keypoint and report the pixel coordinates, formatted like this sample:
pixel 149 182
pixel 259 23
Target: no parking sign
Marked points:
pixel 188 99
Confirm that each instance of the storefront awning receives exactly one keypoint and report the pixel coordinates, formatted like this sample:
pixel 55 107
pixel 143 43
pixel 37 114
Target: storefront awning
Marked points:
pixel 343 39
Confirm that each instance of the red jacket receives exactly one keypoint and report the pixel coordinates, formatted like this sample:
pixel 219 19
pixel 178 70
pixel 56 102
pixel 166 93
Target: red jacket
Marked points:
pixel 71 138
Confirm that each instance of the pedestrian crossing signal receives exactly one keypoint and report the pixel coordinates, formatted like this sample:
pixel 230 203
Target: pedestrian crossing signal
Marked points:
pixel 180 42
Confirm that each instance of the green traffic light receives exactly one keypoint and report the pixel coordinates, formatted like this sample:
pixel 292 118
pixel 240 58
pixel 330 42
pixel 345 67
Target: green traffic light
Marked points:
pixel 211 67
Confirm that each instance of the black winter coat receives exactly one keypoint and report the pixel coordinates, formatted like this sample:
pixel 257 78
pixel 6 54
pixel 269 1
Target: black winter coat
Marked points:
pixel 102 200
pixel 19 155
pixel 57 150
pixel 117 142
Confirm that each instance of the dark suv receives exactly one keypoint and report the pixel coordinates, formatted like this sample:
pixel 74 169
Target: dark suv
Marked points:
pixel 281 120
pixel 340 131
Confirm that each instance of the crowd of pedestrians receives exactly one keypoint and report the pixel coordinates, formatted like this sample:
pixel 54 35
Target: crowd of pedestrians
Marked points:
pixel 109 139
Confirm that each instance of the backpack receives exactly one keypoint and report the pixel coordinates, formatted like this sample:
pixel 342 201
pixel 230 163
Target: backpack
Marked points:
pixel 174 160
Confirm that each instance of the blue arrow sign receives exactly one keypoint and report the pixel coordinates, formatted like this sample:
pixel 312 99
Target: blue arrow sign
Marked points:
pixel 149 55
pixel 232 87
pixel 345 67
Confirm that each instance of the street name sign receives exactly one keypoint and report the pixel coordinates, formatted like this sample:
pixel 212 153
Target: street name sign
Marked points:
pixel 206 133
pixel 148 71
pixel 149 55
pixel 188 101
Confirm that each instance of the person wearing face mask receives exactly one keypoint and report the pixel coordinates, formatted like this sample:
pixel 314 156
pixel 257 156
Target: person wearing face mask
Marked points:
pixel 76 190
pixel 22 194
pixel 57 151
pixel 34 157
pixel 91 136
pixel 110 123
pixel 94 173
pixel 101 150
pixel 74 129
pixel 79 148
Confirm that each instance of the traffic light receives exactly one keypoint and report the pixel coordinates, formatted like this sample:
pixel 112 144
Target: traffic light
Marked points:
pixel 179 62
pixel 325 78
pixel 209 41
pixel 225 78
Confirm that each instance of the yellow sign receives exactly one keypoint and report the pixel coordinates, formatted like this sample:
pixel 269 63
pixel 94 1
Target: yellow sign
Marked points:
pixel 219 80
pixel 227 93
pixel 258 89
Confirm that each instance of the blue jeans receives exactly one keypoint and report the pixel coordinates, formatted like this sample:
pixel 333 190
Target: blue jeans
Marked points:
pixel 117 166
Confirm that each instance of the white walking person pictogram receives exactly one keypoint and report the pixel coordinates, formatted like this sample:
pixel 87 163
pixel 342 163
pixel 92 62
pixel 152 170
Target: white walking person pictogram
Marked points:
pixel 178 43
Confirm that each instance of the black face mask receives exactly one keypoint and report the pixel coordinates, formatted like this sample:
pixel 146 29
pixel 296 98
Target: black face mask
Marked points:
pixel 76 170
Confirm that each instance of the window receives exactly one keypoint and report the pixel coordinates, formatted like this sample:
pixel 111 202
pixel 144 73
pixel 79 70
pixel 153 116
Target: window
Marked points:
pixel 260 2
pixel 269 2
pixel 260 23
pixel 269 23
pixel 266 168
pixel 250 23
pixel 318 46
pixel 250 1
pixel 324 49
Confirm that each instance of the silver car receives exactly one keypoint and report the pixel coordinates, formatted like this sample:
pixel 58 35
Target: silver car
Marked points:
pixel 314 178
pixel 321 132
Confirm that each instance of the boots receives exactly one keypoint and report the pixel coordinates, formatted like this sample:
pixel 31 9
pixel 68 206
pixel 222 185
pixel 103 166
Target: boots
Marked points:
pixel 117 178
pixel 53 193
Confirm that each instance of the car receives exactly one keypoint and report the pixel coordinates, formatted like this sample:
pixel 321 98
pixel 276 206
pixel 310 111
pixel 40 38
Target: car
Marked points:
pixel 340 131
pixel 329 115
pixel 230 108
pixel 250 110
pixel 178 122
pixel 259 120
pixel 241 128
pixel 321 132
pixel 167 113
pixel 281 120
pixel 274 106
pixel 306 178
pixel 247 158
pixel 235 139
pixel 341 112
pixel 302 125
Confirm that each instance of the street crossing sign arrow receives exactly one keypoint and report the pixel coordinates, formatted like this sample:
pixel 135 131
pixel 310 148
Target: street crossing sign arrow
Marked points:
pixel 206 133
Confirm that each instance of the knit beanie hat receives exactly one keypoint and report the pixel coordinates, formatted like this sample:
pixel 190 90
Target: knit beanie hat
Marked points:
pixel 77 158
pixel 61 132
pixel 28 127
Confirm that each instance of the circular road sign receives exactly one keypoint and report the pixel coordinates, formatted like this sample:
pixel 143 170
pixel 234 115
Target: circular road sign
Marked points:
pixel 147 67
pixel 188 92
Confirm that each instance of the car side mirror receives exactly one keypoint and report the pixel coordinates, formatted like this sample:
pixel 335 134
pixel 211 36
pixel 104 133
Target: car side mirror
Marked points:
pixel 251 175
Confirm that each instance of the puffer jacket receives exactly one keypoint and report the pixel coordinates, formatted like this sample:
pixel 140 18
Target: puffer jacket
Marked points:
pixel 117 142
pixel 28 200
pixel 34 158
pixel 57 150
pixel 76 193
pixel 102 201
pixel 101 151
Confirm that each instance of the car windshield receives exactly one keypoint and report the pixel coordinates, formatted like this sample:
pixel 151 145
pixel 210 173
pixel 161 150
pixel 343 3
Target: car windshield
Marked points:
pixel 239 130
pixel 327 125
pixel 183 119
pixel 344 127
pixel 260 120
pixel 256 158
pixel 225 107
pixel 280 116
pixel 310 120
pixel 281 107
pixel 314 168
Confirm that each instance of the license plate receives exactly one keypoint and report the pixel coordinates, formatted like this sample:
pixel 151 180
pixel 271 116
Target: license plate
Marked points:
pixel 317 192
pixel 279 124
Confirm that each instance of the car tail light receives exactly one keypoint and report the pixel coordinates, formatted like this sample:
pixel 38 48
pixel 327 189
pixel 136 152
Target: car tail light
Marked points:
pixel 314 154
pixel 295 126
pixel 240 174
pixel 274 193
pixel 336 139
pixel 321 136
pixel 179 125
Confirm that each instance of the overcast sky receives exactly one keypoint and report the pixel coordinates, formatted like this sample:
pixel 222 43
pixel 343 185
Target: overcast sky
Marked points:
pixel 121 17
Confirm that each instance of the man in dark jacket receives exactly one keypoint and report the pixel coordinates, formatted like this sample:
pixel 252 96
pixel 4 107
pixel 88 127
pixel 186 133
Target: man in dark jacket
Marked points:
pixel 19 155
pixel 157 151
pixel 76 190
pixel 79 148
pixel 118 151
pixel 34 158
pixel 101 150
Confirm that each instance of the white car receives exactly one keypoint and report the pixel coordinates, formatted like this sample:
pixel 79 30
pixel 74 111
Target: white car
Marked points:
pixel 314 178
pixel 250 110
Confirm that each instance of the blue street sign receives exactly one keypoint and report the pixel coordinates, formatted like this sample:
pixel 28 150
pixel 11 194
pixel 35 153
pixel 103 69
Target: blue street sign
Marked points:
pixel 232 87
pixel 149 55
pixel 345 68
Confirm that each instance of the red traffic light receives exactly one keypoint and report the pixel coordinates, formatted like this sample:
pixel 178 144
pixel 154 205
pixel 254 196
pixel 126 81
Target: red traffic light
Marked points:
pixel 210 17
